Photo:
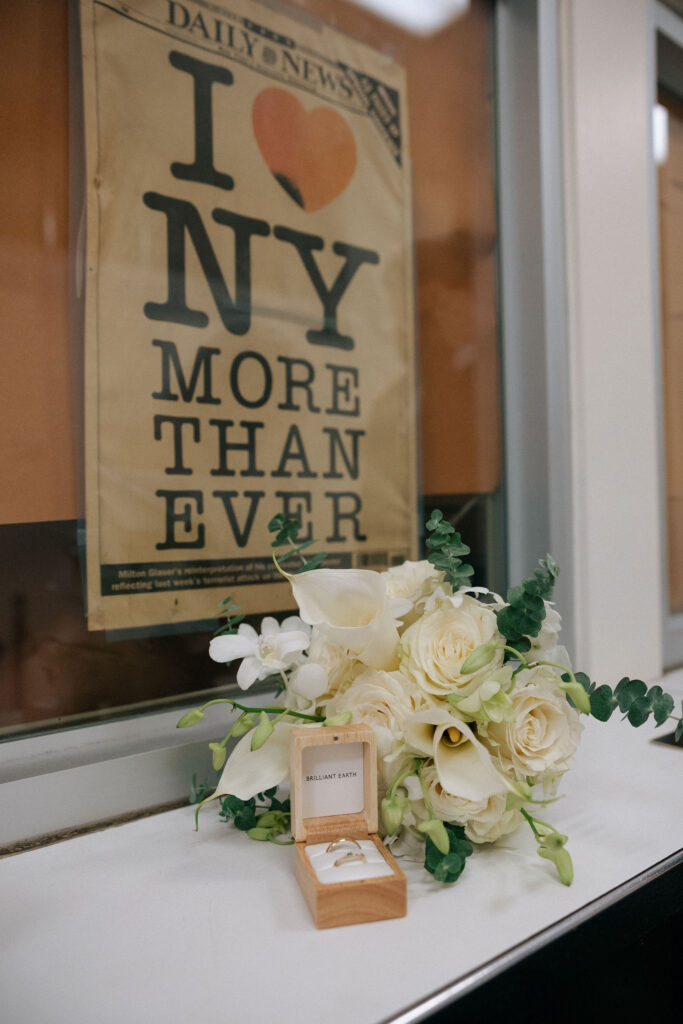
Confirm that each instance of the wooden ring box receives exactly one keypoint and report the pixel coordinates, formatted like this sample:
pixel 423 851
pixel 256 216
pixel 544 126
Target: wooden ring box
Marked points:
pixel 334 796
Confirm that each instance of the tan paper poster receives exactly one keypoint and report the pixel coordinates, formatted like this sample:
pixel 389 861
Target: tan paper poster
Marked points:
pixel 249 304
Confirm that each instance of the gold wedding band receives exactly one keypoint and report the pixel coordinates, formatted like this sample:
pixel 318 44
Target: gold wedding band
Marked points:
pixel 337 843
pixel 351 855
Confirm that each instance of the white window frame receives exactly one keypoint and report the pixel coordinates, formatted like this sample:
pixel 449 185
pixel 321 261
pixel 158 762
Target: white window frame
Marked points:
pixel 665 21
pixel 555 344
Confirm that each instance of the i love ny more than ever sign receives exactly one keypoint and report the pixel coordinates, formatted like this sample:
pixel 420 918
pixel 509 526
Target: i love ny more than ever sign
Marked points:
pixel 249 304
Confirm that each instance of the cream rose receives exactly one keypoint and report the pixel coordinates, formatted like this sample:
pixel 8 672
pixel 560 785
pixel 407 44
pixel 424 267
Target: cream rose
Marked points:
pixel 414 582
pixel 434 648
pixel 340 665
pixel 383 700
pixel 484 820
pixel 545 732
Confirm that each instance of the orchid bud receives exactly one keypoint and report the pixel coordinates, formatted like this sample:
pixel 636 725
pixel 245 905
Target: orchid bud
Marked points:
pixel 562 861
pixel 436 830
pixel 391 809
pixel 270 819
pixel 262 731
pixel 578 695
pixel 554 841
pixel 243 724
pixel 342 719
pixel 190 718
pixel 262 835
pixel 479 657
pixel 218 755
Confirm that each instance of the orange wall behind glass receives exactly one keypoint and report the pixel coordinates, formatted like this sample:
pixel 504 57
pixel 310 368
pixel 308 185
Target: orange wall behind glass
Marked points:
pixel 38 406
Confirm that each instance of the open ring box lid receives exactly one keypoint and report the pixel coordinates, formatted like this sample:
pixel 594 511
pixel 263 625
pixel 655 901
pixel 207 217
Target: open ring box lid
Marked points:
pixel 334 796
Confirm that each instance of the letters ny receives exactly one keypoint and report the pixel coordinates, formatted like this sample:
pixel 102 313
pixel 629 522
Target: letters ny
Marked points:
pixel 184 224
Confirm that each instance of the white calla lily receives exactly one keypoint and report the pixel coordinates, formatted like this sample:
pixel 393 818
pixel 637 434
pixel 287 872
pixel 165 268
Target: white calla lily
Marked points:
pixel 350 608
pixel 463 764
pixel 248 772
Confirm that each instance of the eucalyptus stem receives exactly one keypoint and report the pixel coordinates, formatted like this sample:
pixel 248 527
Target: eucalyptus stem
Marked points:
pixel 301 557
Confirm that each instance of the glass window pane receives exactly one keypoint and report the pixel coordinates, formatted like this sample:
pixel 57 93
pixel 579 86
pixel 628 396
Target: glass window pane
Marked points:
pixel 53 670
pixel 671 273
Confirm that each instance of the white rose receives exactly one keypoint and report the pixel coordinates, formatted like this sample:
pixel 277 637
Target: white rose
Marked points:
pixel 340 666
pixel 484 820
pixel 434 648
pixel 383 700
pixel 545 732
pixel 414 582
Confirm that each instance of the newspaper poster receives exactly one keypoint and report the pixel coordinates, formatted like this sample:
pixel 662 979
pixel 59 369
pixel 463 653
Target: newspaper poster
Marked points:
pixel 249 312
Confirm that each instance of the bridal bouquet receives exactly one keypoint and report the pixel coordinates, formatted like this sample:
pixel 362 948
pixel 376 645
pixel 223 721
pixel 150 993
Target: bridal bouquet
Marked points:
pixel 473 700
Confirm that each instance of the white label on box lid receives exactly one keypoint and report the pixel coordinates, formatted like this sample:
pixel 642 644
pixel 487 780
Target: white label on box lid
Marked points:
pixel 332 781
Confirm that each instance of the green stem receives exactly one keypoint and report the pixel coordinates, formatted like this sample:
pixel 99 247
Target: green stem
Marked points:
pixel 303 560
pixel 277 566
pixel 428 803
pixel 513 650
pixel 530 820
pixel 270 711
pixel 403 774
pixel 534 821
pixel 553 664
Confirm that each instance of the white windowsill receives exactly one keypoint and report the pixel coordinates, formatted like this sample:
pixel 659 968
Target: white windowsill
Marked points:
pixel 154 921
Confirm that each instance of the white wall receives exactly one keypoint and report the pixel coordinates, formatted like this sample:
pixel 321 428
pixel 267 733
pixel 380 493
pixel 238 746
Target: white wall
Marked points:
pixel 606 88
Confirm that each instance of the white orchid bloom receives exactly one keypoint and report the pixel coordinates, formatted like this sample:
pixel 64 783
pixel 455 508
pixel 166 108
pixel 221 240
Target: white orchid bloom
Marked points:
pixel 274 650
pixel 350 608
pixel 463 764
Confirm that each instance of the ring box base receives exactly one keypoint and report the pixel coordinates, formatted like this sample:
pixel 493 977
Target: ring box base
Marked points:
pixel 356 901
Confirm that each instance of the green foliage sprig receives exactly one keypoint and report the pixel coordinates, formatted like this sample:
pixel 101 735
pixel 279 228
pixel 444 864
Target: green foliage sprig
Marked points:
pixel 445 550
pixel 264 823
pixel 226 608
pixel 287 533
pixel 447 867
pixel 525 611
pixel 633 699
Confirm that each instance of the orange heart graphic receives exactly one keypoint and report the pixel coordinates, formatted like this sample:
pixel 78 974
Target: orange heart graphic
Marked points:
pixel 312 155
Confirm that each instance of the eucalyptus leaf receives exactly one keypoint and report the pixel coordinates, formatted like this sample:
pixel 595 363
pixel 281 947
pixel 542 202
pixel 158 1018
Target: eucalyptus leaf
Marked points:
pixel 639 711
pixel 602 703
pixel 627 690
pixel 524 613
pixel 679 728
pixel 662 706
